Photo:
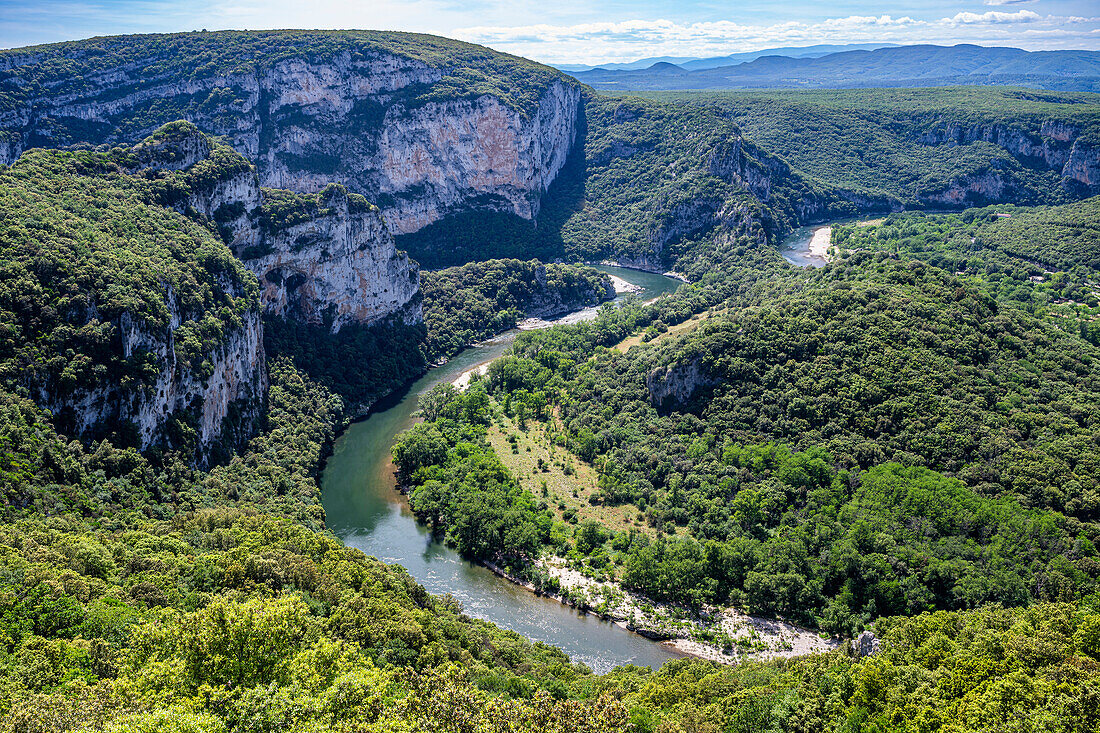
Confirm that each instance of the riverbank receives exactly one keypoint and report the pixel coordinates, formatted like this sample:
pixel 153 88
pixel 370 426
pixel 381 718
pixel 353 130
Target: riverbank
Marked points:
pixel 364 509
pixel 819 242
pixel 652 270
pixel 622 287
pixel 723 635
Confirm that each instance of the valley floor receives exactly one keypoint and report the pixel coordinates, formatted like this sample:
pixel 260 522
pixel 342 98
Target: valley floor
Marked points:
pixel 724 635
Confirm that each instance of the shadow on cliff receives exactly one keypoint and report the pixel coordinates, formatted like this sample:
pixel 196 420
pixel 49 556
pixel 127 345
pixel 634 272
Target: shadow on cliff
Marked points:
pixel 486 233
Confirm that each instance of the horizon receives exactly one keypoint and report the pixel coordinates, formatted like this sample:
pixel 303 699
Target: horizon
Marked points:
pixel 578 33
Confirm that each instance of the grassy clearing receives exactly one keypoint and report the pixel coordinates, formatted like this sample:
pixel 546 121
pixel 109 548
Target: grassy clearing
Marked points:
pixel 689 325
pixel 564 481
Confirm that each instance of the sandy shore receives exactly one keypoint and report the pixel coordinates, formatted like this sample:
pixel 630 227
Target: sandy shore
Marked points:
pixel 724 635
pixel 622 286
pixel 615 263
pixel 819 242
pixel 463 380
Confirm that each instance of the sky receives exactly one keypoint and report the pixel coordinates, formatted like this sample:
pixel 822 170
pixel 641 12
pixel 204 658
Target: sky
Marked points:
pixel 574 31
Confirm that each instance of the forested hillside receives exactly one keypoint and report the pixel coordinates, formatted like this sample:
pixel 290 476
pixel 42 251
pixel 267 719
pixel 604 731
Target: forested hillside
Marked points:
pixel 467 304
pixel 797 441
pixel 905 440
pixel 942 147
pixel 119 313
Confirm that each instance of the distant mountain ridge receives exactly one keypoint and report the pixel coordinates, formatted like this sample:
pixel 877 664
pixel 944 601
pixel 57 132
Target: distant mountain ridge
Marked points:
pixel 897 66
pixel 710 62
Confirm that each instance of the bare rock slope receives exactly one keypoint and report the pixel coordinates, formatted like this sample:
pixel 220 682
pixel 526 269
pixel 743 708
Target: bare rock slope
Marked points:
pixel 422 126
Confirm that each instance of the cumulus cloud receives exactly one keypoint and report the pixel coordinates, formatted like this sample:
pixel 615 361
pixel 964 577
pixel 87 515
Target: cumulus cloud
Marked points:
pixel 600 42
pixel 997 16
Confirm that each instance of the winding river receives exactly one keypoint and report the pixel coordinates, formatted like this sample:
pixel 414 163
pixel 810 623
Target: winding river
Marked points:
pixel 366 512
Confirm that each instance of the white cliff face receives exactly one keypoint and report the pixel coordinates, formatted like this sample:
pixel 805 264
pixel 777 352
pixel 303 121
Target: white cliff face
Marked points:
pixel 480 150
pixel 232 376
pixel 340 268
pixel 348 120
pixel 335 264
pixel 1058 147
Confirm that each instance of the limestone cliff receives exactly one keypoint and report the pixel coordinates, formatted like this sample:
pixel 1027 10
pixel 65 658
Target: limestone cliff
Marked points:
pixel 1058 146
pixel 422 126
pixel 336 267
pixel 230 380
pixel 124 318
pixel 325 258
pixel 675 385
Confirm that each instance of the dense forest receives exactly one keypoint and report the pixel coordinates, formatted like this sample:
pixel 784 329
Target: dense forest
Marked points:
pixel 904 440
pixel 467 304
pixel 876 437
pixel 908 146
pixel 1041 259
pixel 822 530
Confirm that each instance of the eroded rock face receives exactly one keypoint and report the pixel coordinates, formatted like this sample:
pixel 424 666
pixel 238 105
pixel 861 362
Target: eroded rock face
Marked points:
pixel 326 258
pixel 1057 147
pixel 676 384
pixel 865 645
pixel 231 380
pixel 340 267
pixel 348 118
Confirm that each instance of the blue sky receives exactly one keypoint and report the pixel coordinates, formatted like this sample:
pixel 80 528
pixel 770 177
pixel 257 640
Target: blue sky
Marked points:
pixel 563 31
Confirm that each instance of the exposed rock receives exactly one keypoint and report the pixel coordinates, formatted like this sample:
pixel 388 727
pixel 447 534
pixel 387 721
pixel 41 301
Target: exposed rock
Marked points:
pixel 973 190
pixel 548 302
pixel 231 379
pixel 326 258
pixel 1058 146
pixel 865 645
pixel 676 384
pixel 339 267
pixel 452 153
pixel 356 118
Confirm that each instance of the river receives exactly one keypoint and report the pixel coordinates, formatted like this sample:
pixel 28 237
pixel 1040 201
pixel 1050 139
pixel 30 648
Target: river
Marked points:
pixel 365 511
pixel 808 246
pixel 799 248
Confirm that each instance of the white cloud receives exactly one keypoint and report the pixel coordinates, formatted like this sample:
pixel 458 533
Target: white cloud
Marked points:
pixel 628 40
pixel 996 16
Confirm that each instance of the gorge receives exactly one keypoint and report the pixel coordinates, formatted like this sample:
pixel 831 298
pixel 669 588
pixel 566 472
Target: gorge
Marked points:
pixel 241 273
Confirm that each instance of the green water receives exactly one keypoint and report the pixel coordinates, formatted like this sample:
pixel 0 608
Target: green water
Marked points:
pixel 366 512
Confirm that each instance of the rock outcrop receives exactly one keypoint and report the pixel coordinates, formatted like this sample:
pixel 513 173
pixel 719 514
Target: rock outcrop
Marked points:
pixel 865 645
pixel 231 379
pixel 676 384
pixel 550 302
pixel 127 319
pixel 1057 146
pixel 338 267
pixel 386 115
pixel 325 258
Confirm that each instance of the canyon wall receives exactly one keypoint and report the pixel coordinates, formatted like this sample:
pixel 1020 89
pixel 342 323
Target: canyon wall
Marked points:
pixel 325 258
pixel 419 132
